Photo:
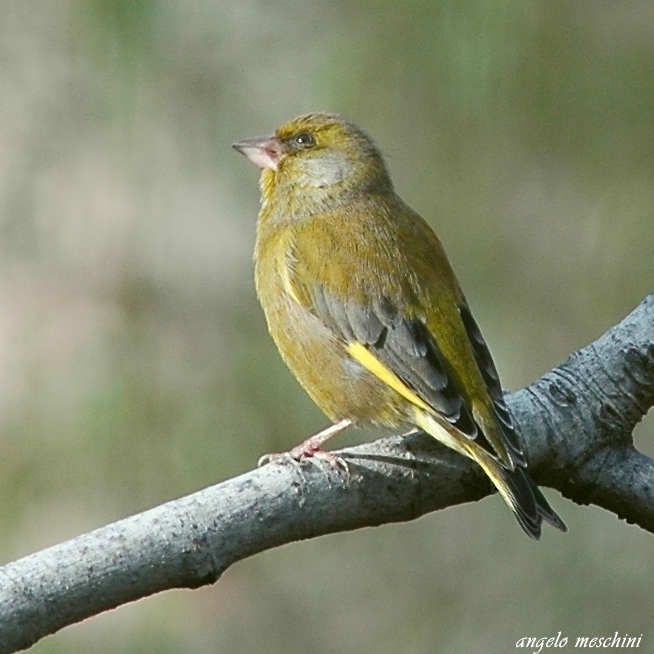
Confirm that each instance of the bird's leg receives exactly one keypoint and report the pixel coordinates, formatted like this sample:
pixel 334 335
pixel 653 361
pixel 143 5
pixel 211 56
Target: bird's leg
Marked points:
pixel 312 447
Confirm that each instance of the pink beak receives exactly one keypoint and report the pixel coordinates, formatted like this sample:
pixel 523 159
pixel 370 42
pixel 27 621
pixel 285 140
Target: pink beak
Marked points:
pixel 262 151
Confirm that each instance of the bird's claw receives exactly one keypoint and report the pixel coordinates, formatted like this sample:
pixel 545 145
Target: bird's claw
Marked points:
pixel 263 460
pixel 299 455
pixel 284 457
pixel 334 460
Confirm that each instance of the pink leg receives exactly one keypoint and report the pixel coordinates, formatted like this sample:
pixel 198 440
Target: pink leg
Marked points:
pixel 312 447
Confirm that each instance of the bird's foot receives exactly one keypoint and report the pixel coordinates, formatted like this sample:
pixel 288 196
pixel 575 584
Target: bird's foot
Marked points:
pixel 312 449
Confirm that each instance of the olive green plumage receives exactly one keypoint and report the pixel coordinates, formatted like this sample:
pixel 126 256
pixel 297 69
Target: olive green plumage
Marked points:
pixel 365 308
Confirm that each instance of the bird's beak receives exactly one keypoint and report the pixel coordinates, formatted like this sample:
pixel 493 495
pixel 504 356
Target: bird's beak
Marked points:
pixel 262 151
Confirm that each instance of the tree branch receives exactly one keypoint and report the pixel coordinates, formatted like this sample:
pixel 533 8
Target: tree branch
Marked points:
pixel 576 423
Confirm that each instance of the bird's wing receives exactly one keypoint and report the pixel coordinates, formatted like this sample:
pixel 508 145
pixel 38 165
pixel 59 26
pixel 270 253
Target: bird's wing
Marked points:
pixel 387 328
pixel 491 380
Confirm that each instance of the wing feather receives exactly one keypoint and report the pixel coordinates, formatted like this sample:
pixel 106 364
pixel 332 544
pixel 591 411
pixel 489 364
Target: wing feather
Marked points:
pixel 405 347
pixel 492 381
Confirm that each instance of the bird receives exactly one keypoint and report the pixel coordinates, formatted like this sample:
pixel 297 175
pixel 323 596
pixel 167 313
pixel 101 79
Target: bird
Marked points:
pixel 366 310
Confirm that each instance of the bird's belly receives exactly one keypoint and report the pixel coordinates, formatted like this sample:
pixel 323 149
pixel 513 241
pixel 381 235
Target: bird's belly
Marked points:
pixel 336 382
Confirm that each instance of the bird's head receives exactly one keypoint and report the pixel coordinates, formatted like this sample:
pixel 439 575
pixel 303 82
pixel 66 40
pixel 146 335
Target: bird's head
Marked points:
pixel 320 157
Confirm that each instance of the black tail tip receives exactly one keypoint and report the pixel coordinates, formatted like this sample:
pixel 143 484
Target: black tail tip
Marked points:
pixel 532 507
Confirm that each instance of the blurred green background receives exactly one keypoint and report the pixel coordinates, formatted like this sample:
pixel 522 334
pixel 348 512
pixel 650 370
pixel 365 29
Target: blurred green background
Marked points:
pixel 134 361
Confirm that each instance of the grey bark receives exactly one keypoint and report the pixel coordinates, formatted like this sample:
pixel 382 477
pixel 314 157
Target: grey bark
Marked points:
pixel 576 423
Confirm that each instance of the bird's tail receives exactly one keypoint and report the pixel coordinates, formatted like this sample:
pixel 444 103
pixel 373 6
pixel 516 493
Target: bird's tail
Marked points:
pixel 516 487
pixel 521 493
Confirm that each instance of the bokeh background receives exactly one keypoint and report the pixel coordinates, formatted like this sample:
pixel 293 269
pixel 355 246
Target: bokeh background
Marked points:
pixel 135 366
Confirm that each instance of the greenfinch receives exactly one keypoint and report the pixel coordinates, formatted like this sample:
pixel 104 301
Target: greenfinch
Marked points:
pixel 365 308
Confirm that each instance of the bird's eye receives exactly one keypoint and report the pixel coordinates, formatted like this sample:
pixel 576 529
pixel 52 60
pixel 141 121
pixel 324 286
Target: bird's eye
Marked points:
pixel 304 140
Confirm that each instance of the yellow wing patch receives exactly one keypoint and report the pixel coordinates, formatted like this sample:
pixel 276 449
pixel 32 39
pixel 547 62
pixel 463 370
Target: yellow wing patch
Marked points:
pixel 369 361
